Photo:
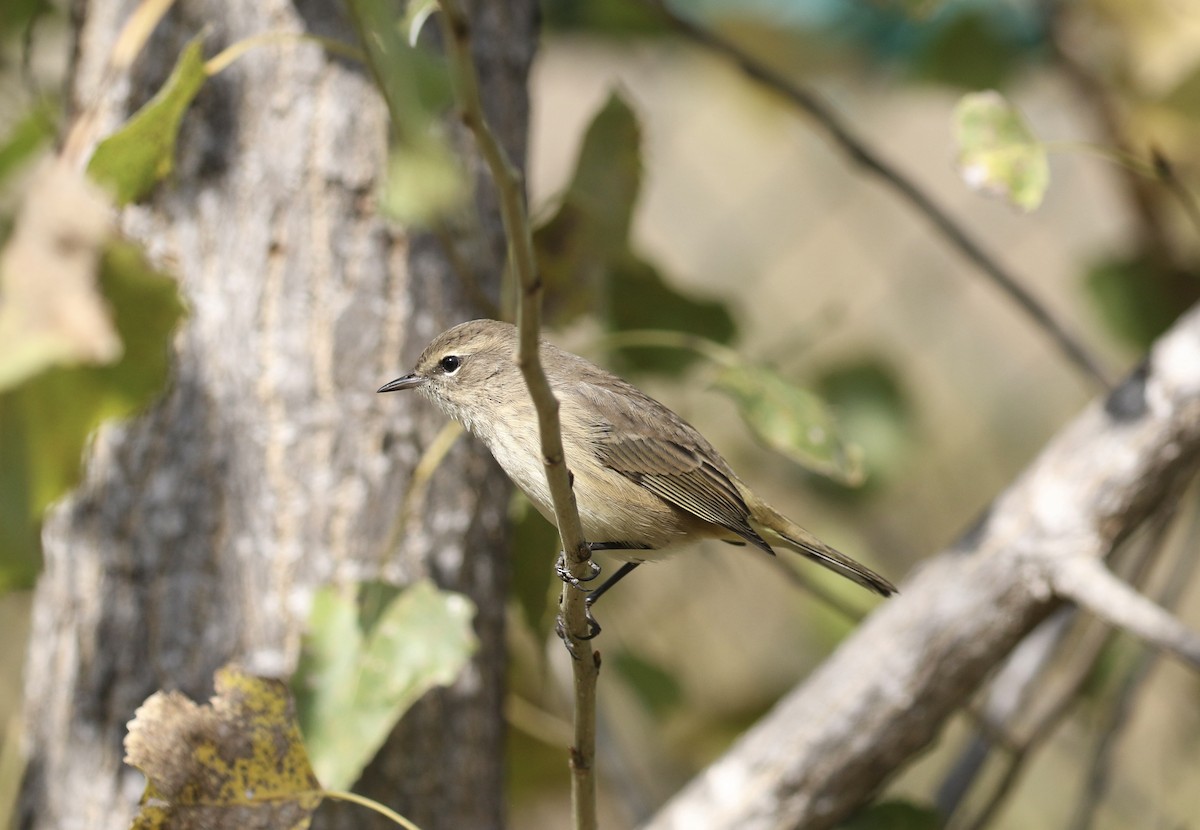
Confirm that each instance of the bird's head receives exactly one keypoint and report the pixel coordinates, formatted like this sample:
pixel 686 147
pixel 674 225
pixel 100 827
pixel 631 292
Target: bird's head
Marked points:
pixel 464 368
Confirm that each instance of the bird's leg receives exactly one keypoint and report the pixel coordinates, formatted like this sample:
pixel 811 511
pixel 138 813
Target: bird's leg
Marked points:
pixel 590 599
pixel 564 574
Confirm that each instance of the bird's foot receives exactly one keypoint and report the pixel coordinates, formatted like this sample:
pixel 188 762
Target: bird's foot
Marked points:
pixel 560 628
pixel 564 573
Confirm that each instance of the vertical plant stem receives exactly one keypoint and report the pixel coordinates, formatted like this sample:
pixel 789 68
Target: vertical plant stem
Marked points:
pixel 510 186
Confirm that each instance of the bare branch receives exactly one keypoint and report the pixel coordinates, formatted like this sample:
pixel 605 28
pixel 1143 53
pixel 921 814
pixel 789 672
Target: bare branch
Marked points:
pixel 886 692
pixel 1089 584
pixel 859 152
pixel 510 186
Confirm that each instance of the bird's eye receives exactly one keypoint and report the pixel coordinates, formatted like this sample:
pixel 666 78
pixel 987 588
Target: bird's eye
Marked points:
pixel 450 363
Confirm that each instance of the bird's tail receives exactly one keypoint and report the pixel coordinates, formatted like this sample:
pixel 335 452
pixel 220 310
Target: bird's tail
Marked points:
pixel 778 528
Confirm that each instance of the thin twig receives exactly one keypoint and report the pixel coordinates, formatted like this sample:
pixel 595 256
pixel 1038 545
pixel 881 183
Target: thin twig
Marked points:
pixel 509 184
pixel 861 154
pixel 1165 172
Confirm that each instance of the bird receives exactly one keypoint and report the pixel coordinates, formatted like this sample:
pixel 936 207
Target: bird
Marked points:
pixel 646 482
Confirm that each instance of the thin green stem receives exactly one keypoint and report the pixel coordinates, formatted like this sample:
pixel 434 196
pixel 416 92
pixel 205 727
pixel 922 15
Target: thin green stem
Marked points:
pixel 370 804
pixel 1113 155
pixel 223 59
pixel 665 338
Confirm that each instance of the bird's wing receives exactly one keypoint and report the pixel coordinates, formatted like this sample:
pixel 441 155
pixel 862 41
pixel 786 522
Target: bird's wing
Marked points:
pixel 671 464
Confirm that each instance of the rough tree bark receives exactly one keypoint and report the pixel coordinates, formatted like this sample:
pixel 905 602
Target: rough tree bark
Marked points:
pixel 272 467
pixel 887 691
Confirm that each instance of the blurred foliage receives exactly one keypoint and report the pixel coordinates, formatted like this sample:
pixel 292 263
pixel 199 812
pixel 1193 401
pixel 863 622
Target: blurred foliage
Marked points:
pixel 654 687
pixel 535 546
pixel 894 815
pixel 613 18
pixel 15 18
pixel 424 181
pixel 997 152
pixel 793 421
pixel 354 682
pixel 142 151
pixel 965 44
pixel 1137 299
pixel 51 311
pixel 46 421
pixel 585 259
pixel 638 297
pixel 874 413
pixel 29 135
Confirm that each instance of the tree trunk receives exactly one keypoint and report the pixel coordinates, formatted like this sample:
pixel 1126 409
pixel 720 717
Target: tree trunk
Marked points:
pixel 271 467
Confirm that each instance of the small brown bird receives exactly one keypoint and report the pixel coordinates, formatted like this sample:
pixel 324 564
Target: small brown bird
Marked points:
pixel 645 480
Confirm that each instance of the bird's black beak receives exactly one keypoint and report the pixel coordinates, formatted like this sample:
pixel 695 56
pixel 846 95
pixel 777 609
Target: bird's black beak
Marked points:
pixel 407 382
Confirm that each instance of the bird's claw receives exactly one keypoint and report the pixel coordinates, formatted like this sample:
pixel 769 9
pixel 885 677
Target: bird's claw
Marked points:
pixel 564 573
pixel 593 626
pixel 593 629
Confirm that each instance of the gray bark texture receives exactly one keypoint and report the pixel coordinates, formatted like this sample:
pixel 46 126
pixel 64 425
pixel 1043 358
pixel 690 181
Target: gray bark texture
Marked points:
pixel 271 467
pixel 884 695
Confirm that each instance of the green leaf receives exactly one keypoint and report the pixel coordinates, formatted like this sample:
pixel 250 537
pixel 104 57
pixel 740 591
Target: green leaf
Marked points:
pixel 142 152
pixel 18 15
pixel 793 421
pixel 26 138
pixel 425 179
pixel 970 49
pixel 872 413
pixel 894 815
pixel 637 297
pixel 997 152
pixel 45 422
pixel 585 259
pixel 352 687
pixel 655 688
pixel 1137 300
pixel 577 246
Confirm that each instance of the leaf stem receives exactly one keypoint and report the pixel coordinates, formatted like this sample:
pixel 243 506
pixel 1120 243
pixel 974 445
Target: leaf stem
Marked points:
pixel 222 60
pixel 665 338
pixel 370 804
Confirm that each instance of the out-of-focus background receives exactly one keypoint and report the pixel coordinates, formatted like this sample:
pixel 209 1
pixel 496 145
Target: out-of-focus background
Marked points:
pixel 812 266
